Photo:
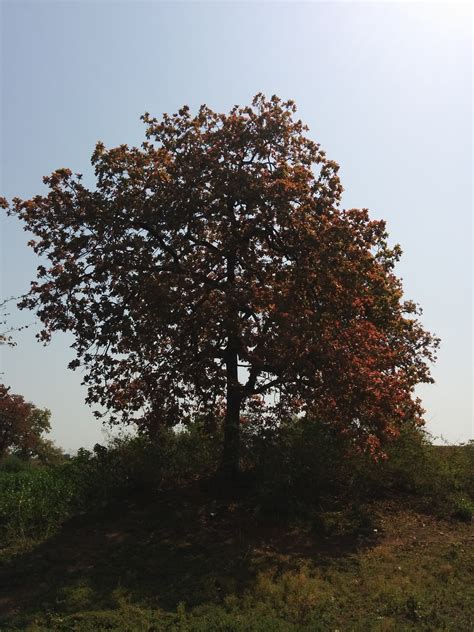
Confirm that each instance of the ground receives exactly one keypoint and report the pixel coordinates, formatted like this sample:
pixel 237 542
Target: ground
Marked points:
pixel 193 560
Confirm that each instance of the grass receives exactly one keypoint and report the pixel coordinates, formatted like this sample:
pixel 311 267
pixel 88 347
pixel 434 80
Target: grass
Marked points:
pixel 192 560
pixel 131 538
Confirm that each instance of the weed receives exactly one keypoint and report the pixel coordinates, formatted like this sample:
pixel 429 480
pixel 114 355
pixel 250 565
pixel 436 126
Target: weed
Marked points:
pixel 463 510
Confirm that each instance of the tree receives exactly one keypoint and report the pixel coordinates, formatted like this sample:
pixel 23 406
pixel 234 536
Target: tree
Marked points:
pixel 213 265
pixel 48 453
pixel 22 424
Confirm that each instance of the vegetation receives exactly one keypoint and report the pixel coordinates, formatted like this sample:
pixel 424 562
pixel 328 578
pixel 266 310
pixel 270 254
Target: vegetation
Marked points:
pixel 212 267
pixel 140 535
pixel 22 426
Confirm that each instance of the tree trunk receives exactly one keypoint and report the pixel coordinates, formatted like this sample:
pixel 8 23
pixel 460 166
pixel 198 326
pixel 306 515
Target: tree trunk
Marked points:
pixel 231 453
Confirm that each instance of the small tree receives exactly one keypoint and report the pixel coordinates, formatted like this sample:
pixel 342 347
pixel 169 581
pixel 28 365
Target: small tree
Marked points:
pixel 22 425
pixel 213 265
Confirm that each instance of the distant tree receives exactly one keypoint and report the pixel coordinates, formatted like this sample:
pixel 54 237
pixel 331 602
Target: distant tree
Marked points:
pixel 22 424
pixel 213 266
pixel 47 452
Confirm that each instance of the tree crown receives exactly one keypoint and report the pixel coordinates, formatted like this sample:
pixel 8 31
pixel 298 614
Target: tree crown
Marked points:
pixel 222 237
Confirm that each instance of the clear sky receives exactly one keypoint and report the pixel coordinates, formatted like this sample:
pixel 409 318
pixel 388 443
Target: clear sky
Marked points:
pixel 386 88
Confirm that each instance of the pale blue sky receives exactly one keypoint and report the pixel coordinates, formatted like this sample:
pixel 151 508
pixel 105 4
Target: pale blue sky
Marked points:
pixel 386 88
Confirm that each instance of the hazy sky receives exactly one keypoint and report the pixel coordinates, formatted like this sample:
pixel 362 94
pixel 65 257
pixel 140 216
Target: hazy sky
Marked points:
pixel 385 88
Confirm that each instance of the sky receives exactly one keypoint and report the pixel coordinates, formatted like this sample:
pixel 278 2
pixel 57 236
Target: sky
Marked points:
pixel 385 88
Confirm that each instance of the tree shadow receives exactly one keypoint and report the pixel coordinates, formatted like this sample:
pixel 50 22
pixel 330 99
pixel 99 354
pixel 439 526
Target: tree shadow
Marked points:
pixel 187 546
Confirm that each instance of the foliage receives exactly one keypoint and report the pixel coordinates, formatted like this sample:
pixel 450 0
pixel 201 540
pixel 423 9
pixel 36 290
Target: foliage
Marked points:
pixel 303 472
pixel 22 424
pixel 136 465
pixel 305 466
pixel 219 244
pixel 435 477
pixel 34 502
pixel 48 453
pixel 297 465
pixel 5 329
pixel 13 463
pixel 36 498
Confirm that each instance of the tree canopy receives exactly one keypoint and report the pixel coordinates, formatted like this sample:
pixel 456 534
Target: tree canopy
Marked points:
pixel 22 424
pixel 212 266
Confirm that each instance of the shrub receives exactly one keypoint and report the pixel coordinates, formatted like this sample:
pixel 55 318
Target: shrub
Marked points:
pixel 434 476
pixel 302 467
pixel 463 510
pixel 33 503
pixel 35 499
pixel 297 466
pixel 137 465
pixel 13 463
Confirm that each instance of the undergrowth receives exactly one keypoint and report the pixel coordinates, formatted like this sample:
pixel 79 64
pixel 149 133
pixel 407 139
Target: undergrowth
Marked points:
pixel 300 470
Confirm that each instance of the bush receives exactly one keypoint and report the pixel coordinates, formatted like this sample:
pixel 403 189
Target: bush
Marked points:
pixel 303 466
pixel 463 510
pixel 301 469
pixel 297 466
pixel 13 463
pixel 36 499
pixel 136 465
pixel 33 503
pixel 434 476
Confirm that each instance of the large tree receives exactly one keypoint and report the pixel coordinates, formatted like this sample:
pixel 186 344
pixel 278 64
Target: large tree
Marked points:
pixel 213 265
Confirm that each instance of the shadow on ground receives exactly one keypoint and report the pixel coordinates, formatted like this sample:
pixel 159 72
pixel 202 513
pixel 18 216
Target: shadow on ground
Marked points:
pixel 189 546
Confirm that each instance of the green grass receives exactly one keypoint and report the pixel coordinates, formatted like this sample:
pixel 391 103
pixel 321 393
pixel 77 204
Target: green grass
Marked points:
pixel 133 537
pixel 192 560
